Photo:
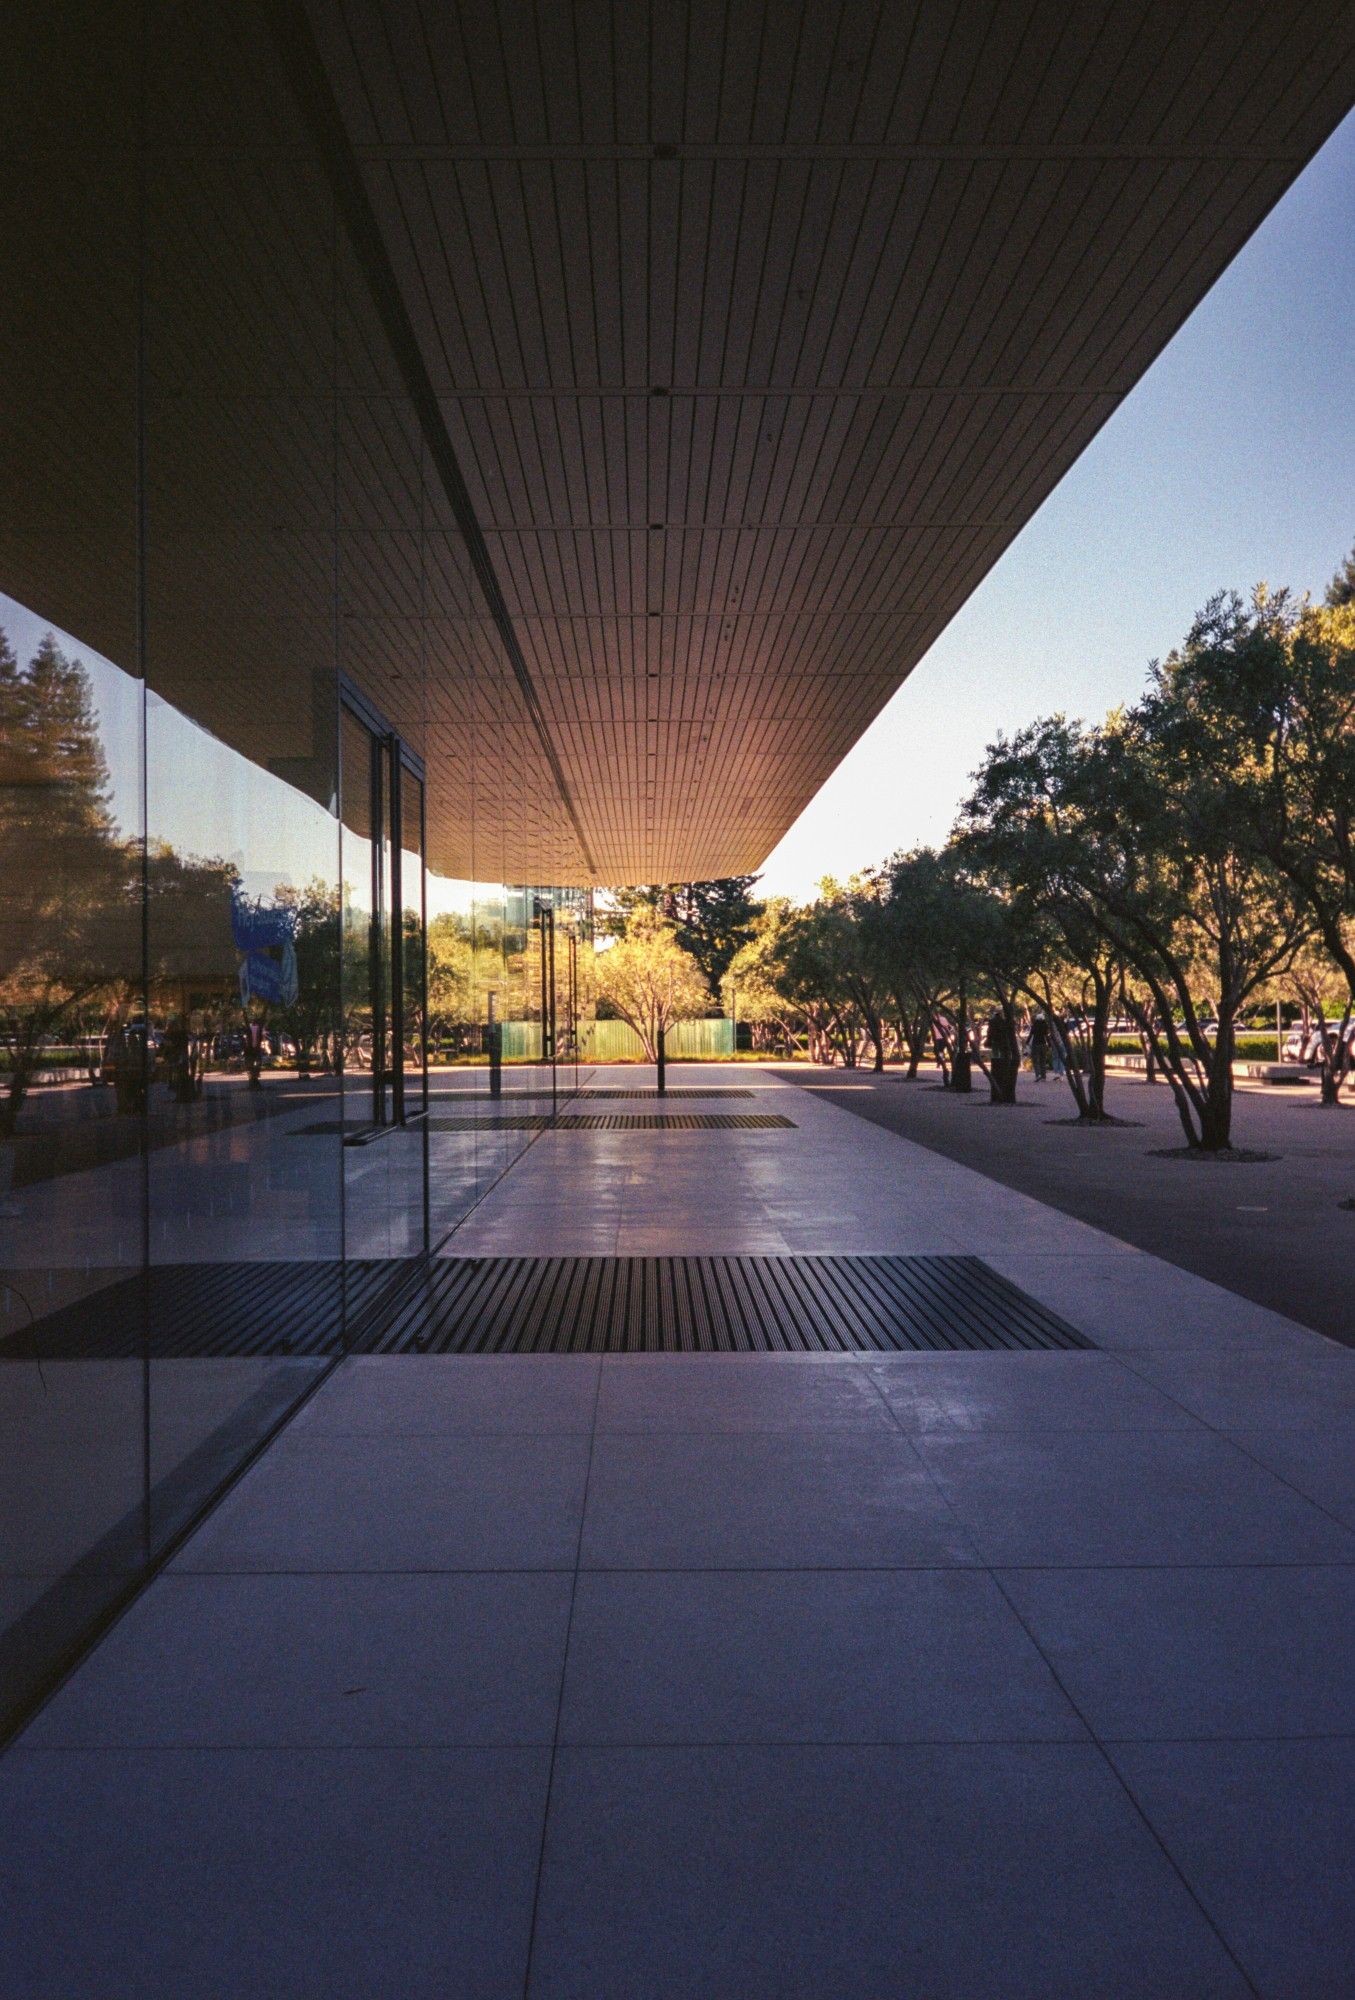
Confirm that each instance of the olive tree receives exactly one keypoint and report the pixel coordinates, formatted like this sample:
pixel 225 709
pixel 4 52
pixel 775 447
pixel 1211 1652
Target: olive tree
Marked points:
pixel 647 980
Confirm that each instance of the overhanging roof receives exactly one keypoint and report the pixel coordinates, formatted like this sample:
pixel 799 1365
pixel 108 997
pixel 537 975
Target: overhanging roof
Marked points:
pixel 668 377
pixel 758 332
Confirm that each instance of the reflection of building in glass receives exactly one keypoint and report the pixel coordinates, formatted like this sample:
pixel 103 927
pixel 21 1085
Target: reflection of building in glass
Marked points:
pixel 216 992
pixel 243 717
pixel 521 902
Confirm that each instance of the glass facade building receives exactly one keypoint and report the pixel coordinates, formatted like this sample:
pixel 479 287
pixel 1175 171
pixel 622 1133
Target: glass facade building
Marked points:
pixel 267 787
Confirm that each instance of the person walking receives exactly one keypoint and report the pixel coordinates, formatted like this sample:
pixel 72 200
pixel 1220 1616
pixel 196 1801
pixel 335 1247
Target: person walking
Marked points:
pixel 1004 1058
pixel 1039 1046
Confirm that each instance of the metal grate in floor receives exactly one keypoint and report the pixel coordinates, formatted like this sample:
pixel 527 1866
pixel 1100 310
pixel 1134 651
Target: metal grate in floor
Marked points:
pixel 491 1121
pixel 619 1121
pixel 483 1121
pixel 551 1305
pixel 681 1090
pixel 270 1307
pixel 714 1305
pixel 673 1121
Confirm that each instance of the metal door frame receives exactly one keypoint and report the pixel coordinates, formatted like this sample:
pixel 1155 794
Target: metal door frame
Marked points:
pixel 390 754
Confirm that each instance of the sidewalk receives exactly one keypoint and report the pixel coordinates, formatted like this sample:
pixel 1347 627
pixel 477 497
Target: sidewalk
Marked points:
pixel 931 1674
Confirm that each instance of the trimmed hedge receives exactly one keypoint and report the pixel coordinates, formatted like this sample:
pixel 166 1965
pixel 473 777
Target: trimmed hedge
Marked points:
pixel 1249 1048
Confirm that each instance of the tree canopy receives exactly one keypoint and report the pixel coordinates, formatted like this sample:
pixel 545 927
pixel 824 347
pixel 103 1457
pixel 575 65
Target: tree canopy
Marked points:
pixel 1172 864
pixel 711 920
pixel 649 980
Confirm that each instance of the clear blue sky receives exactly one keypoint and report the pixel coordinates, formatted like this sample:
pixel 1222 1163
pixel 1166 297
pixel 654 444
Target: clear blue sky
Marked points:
pixel 1232 461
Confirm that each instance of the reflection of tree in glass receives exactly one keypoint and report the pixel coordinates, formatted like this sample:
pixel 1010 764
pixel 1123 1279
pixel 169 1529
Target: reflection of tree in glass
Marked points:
pixel 355 964
pixel 465 965
pixel 313 1019
pixel 190 959
pixel 70 918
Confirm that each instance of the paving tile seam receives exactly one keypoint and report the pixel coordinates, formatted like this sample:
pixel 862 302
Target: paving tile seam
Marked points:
pixel 966 1564
pixel 1266 1992
pixel 871 1432
pixel 128 1746
pixel 953 1742
pixel 312 1433
pixel 1101 1745
pixel 1234 1736
pixel 1233 1438
pixel 991 1570
pixel 560 1702
pixel 435 1746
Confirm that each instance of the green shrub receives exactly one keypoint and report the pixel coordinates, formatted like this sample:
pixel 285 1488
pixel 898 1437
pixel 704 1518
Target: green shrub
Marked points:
pixel 1248 1048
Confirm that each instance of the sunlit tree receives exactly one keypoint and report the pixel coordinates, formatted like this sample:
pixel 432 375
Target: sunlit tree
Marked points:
pixel 647 980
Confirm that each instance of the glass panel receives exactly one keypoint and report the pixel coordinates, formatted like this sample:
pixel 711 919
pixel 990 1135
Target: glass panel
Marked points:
pixel 245 1285
pixel 73 1047
pixel 361 926
pixel 218 511
pixel 412 944
pixel 72 1434
pixel 385 1165
pixel 384 1026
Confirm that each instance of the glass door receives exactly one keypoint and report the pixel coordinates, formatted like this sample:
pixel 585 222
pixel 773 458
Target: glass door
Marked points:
pixel 382 982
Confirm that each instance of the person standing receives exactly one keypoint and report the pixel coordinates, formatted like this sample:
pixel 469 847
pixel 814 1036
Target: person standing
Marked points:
pixel 1039 1046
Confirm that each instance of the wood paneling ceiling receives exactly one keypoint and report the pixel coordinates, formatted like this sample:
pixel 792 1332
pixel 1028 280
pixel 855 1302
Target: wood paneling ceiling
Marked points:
pixel 758 330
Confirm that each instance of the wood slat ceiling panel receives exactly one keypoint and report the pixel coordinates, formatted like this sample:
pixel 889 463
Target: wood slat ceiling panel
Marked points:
pixel 758 332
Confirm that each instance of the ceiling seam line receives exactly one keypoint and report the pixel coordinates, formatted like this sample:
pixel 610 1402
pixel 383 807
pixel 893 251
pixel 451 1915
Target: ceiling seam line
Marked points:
pixel 310 83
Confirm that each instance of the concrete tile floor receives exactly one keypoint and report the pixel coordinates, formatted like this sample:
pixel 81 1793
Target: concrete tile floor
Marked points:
pixel 958 1674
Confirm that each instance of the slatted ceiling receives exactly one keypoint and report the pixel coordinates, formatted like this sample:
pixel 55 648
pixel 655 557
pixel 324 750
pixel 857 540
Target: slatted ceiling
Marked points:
pixel 901 264
pixel 896 273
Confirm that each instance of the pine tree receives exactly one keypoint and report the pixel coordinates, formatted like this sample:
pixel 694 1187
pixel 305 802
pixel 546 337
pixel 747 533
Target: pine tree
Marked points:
pixel 71 922
pixel 1341 589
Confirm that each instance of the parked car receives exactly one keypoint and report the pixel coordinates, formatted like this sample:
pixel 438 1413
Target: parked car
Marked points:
pixel 228 1049
pixel 1304 1045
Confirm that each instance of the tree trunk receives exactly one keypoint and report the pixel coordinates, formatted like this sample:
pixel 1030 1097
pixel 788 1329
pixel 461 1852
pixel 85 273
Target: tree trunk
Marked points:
pixel 962 1062
pixel 1072 1066
pixel 12 1102
pixel 1216 1121
pixel 1002 1080
pixel 1096 1058
pixel 875 1036
pixel 1216 1113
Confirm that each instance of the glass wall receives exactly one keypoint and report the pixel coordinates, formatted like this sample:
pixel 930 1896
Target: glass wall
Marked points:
pixel 72 851
pixel 265 792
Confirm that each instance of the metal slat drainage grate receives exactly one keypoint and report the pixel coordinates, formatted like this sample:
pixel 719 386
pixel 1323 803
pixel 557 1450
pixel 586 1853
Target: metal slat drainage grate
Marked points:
pixel 187 1311
pixel 715 1305
pixel 550 1305
pixel 512 1121
pixel 674 1121
pixel 682 1090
